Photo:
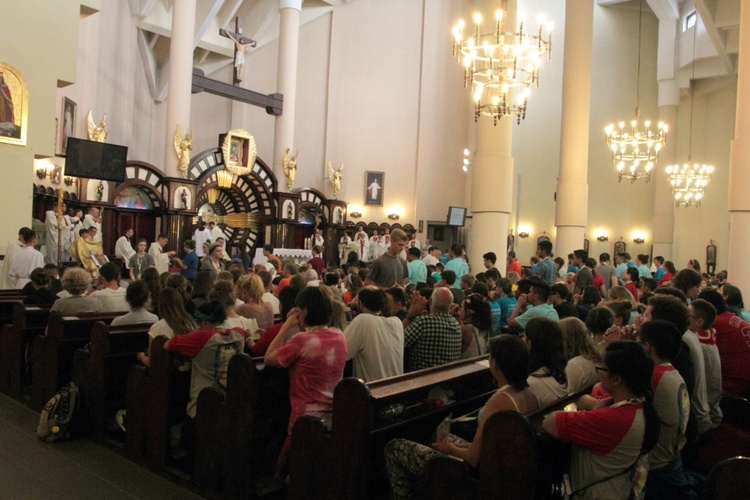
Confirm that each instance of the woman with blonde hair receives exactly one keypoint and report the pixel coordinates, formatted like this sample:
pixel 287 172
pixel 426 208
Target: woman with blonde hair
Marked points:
pixel 338 309
pixel 250 290
pixel 580 353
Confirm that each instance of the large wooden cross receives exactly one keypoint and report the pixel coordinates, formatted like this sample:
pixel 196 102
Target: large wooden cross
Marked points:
pixel 273 103
pixel 240 42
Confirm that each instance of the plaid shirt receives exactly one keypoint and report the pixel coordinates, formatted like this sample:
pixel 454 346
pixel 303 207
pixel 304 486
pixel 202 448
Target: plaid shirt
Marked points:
pixel 431 340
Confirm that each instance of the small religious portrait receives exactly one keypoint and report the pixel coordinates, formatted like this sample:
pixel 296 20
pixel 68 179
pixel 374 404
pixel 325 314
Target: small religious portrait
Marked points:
pixel 374 188
pixel 56 177
pixel 620 247
pixel 239 151
pixel 68 128
pixel 133 197
pixel 14 95
pixel 182 198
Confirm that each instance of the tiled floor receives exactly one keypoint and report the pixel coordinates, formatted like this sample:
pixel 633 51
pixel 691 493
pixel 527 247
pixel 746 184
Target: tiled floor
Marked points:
pixel 76 469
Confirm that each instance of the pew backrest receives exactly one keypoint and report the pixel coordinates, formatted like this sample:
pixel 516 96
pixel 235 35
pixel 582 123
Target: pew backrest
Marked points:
pixel 54 352
pixel 28 321
pixel 101 371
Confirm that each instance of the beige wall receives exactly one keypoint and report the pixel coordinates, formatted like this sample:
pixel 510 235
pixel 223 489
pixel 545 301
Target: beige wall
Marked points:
pixel 43 48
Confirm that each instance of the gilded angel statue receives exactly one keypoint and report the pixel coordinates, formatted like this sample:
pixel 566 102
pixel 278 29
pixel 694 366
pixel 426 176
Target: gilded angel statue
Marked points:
pixel 183 147
pixel 290 168
pixel 97 133
pixel 335 176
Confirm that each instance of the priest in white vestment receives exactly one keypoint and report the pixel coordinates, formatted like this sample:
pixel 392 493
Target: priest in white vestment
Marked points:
pixel 161 258
pixel 10 252
pixel 93 219
pixel 124 249
pixel 25 260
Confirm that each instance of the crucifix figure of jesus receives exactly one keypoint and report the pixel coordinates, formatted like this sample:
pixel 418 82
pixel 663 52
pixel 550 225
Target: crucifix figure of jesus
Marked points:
pixel 240 42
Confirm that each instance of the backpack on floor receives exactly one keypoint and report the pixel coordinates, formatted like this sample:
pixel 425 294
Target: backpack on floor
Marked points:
pixel 58 414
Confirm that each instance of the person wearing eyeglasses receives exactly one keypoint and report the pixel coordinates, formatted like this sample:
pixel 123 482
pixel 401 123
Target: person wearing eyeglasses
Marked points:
pixel 613 434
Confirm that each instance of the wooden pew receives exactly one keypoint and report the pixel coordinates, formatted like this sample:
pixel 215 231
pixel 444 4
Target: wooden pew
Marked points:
pixel 148 406
pixel 517 459
pixel 101 372
pixel 224 431
pixel 7 302
pixel 347 461
pixel 224 425
pixel 28 322
pixel 54 353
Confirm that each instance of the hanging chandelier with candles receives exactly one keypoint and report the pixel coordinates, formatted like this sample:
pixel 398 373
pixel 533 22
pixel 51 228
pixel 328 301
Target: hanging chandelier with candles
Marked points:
pixel 496 63
pixel 635 149
pixel 689 180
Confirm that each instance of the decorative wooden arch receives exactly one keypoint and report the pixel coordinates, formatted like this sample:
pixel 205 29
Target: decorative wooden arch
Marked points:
pixel 249 193
pixel 312 198
pixel 149 179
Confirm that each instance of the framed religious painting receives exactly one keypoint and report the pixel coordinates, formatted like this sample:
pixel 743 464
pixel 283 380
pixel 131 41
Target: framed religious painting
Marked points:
pixel 374 182
pixel 14 105
pixel 239 151
pixel 68 128
pixel 620 247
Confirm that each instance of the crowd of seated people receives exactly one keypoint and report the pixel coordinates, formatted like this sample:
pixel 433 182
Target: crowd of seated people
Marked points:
pixel 656 356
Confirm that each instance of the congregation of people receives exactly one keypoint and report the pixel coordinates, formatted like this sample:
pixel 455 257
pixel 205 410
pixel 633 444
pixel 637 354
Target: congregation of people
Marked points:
pixel 654 347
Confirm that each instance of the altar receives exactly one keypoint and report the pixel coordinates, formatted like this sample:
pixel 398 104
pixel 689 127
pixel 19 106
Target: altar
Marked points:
pixel 283 253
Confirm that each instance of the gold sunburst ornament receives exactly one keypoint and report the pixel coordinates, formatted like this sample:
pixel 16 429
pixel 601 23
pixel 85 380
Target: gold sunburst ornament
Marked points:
pixel 239 151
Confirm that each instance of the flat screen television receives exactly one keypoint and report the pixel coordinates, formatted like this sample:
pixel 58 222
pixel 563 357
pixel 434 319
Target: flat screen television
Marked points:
pixel 95 160
pixel 456 216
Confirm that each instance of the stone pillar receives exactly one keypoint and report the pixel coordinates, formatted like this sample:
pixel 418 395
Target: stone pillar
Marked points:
pixel 180 79
pixel 739 170
pixel 286 84
pixel 571 208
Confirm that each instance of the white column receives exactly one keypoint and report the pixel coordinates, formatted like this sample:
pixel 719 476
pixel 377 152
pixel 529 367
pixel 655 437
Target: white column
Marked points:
pixel 739 166
pixel 571 210
pixel 180 79
pixel 492 180
pixel 286 84
pixel 662 234
pixel 663 219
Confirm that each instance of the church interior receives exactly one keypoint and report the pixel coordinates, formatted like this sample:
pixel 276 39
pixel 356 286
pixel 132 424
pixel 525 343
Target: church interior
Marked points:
pixel 279 119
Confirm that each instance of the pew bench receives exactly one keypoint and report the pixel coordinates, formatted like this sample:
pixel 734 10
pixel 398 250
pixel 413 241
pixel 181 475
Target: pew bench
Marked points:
pixel 347 461
pixel 28 322
pixel 7 302
pixel 517 460
pixel 54 352
pixel 231 428
pixel 101 372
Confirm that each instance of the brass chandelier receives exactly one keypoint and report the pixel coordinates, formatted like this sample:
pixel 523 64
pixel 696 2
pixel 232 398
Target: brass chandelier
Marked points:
pixel 497 62
pixel 635 150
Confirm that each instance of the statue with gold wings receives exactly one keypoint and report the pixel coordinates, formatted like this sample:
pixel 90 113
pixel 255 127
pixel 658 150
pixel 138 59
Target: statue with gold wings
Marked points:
pixel 335 176
pixel 290 168
pixel 97 133
pixel 183 147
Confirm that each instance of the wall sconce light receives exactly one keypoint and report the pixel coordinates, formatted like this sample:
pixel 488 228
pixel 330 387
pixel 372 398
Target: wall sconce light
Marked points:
pixel 601 235
pixel 69 181
pixel 394 216
pixel 355 215
pixel 523 231
pixel 639 238
pixel 42 172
